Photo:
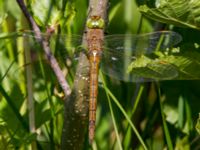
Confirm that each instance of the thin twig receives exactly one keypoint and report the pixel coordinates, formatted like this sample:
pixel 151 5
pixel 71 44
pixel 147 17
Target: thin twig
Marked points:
pixel 45 44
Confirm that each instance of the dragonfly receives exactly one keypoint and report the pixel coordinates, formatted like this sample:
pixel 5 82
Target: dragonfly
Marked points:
pixel 95 38
pixel 115 55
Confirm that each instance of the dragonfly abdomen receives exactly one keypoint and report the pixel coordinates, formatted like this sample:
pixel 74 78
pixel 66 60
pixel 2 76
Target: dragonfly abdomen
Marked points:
pixel 93 96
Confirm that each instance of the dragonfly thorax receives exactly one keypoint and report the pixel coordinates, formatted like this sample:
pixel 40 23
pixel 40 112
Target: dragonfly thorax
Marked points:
pixel 94 40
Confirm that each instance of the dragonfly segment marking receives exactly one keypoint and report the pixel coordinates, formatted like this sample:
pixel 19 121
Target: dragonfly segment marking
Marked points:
pixel 94 38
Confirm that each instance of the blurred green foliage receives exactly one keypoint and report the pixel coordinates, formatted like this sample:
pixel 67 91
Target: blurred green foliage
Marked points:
pixel 164 120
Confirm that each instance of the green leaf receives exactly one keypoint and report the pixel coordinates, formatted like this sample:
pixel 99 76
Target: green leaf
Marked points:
pixel 140 62
pixel 43 114
pixel 174 66
pixel 186 65
pixel 180 112
pixel 183 143
pixel 13 8
pixel 184 13
pixel 198 124
pixel 45 12
pixel 156 69
pixel 171 114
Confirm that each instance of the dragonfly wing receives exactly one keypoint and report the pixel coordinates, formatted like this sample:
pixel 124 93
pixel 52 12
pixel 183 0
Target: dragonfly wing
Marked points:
pixel 143 43
pixel 121 51
pixel 61 44
pixel 66 49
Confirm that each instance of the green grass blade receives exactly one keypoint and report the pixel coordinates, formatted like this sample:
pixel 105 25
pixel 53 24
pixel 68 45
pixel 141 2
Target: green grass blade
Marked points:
pixel 111 111
pixel 166 130
pixel 125 115
pixel 13 107
pixel 6 73
pixel 139 91
pixel 139 94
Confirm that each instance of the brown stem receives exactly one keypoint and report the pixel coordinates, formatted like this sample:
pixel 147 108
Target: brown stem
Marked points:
pixel 76 107
pixel 52 60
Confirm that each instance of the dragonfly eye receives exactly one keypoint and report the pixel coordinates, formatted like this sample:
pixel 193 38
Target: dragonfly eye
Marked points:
pixel 95 22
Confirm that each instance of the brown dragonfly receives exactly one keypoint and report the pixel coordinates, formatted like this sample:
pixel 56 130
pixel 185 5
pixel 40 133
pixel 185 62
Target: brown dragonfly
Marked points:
pixel 95 44
pixel 116 54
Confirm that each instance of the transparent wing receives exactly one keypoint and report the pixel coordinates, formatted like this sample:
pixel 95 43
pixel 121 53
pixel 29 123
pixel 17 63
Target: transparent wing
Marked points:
pixel 120 51
pixel 65 48
pixel 61 44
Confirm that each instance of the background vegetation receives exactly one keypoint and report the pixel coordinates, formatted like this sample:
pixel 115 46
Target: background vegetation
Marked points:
pixel 166 114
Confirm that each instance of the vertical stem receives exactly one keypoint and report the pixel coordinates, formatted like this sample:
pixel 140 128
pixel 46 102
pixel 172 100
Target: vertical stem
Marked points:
pixel 76 107
pixel 30 101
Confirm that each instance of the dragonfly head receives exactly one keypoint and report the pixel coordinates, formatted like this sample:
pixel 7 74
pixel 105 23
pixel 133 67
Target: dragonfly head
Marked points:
pixel 95 22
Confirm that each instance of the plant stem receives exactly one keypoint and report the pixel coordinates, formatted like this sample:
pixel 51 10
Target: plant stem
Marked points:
pixel 76 107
